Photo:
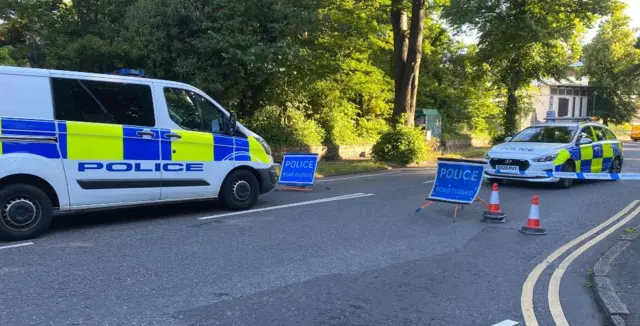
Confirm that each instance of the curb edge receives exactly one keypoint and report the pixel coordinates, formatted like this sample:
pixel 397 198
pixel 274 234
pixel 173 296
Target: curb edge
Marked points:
pixel 605 293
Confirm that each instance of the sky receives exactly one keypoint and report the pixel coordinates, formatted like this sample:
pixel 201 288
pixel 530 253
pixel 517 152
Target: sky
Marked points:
pixel 633 11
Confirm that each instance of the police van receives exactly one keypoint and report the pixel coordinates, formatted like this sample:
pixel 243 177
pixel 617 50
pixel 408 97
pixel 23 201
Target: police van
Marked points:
pixel 559 145
pixel 75 141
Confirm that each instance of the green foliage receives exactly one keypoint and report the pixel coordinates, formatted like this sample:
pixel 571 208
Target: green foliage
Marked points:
pixel 5 59
pixel 403 145
pixel 286 127
pixel 608 62
pixel 525 40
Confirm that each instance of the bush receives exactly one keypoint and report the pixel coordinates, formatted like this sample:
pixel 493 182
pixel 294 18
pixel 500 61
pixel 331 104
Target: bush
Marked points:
pixel 291 130
pixel 401 145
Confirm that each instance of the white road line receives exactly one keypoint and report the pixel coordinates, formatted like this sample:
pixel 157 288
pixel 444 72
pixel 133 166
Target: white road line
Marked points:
pixel 429 181
pixel 355 177
pixel 317 201
pixel 16 245
pixel 506 322
pixel 526 299
pixel 555 306
pixel 632 159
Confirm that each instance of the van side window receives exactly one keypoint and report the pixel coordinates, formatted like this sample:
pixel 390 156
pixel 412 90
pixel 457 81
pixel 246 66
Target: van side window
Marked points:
pixel 192 111
pixel 103 102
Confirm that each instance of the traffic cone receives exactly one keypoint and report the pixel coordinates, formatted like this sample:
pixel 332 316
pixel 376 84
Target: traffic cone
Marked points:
pixel 533 226
pixel 494 214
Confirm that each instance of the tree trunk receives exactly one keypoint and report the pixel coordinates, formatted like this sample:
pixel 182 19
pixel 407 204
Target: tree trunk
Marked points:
pixel 400 49
pixel 408 54
pixel 510 123
pixel 605 121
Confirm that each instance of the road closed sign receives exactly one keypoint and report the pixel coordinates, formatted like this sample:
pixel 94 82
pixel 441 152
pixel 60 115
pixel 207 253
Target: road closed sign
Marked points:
pixel 457 181
pixel 298 169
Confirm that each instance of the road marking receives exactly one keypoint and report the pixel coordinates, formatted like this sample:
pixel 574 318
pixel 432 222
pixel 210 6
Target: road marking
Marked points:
pixel 317 201
pixel 526 299
pixel 632 159
pixel 506 322
pixel 554 284
pixel 355 177
pixel 16 245
pixel 429 181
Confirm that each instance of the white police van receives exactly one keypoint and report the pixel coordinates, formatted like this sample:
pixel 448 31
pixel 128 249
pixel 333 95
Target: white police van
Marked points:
pixel 564 145
pixel 76 141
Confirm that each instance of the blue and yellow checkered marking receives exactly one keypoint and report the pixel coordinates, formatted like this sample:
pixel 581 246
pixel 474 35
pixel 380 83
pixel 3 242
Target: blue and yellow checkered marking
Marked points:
pixel 26 127
pixel 589 158
pixel 97 141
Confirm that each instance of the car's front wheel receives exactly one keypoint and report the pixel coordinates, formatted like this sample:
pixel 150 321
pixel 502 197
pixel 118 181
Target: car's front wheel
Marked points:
pixel 567 183
pixel 240 190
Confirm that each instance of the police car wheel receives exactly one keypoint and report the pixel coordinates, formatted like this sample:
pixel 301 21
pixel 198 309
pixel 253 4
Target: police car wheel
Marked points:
pixel 616 166
pixel 240 190
pixel 568 167
pixel 25 212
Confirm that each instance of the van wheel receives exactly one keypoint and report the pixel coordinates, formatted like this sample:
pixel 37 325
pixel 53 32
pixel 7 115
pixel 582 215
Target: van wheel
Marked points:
pixel 25 212
pixel 240 190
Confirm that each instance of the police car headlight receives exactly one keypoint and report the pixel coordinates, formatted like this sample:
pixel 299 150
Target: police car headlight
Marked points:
pixel 546 158
pixel 486 156
pixel 264 144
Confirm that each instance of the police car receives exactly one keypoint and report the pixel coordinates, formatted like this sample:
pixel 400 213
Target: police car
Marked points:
pixel 75 141
pixel 562 145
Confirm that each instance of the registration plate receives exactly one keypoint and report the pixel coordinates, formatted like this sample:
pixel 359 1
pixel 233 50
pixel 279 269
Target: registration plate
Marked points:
pixel 508 168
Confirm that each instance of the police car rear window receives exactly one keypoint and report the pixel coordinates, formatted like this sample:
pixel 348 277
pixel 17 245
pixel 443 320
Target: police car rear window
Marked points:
pixel 103 102
pixel 546 134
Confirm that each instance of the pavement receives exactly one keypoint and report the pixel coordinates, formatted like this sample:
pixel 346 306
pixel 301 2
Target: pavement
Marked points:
pixel 624 276
pixel 351 252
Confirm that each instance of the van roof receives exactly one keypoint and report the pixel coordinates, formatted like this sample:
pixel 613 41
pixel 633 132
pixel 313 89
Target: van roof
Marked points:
pixel 47 73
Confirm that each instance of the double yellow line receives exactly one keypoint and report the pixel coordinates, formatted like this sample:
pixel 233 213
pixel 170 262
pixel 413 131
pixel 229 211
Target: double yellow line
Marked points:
pixel 553 295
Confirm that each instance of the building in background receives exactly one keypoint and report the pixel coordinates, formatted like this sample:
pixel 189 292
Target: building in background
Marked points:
pixel 570 97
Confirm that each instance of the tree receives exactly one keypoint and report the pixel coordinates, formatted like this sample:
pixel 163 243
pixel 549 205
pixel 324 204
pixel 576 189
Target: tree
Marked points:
pixel 525 40
pixel 609 60
pixel 407 53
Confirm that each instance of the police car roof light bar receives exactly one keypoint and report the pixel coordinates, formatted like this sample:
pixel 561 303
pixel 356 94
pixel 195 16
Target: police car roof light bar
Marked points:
pixel 571 119
pixel 128 72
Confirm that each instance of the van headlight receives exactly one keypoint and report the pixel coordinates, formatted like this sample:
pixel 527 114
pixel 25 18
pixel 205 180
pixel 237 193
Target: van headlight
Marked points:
pixel 264 144
pixel 546 158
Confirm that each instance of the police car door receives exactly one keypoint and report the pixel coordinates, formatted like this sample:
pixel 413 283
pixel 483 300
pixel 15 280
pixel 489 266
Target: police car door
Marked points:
pixel 196 155
pixel 603 150
pixel 107 139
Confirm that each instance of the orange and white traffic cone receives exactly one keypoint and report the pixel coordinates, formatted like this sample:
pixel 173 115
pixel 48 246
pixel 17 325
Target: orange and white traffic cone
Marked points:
pixel 494 214
pixel 533 226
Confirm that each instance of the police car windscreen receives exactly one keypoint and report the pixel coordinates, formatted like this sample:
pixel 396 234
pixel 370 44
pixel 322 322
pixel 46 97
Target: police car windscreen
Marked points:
pixel 546 134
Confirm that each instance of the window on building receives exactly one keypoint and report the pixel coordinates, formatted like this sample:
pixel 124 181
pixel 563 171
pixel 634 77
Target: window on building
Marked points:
pixel 103 102
pixel 563 107
pixel 554 91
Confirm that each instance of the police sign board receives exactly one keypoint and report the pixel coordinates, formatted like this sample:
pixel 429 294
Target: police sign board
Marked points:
pixel 457 181
pixel 551 116
pixel 298 169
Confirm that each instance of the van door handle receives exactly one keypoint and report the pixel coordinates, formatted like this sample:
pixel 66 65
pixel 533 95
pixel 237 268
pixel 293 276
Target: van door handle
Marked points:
pixel 143 133
pixel 172 135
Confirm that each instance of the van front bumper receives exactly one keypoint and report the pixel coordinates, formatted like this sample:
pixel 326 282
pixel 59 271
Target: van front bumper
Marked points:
pixel 267 179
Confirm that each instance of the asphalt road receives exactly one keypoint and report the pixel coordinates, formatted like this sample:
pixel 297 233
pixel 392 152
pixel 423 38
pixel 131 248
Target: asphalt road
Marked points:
pixel 366 260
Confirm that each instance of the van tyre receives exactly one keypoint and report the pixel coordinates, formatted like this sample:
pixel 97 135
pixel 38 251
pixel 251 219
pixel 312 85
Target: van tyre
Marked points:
pixel 25 212
pixel 240 190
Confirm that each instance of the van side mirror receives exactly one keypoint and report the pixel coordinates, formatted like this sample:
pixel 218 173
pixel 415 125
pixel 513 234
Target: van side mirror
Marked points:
pixel 232 124
pixel 585 141
pixel 508 138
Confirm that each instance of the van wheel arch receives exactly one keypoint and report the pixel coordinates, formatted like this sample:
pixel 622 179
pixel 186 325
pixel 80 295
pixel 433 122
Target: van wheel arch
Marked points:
pixel 240 188
pixel 35 181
